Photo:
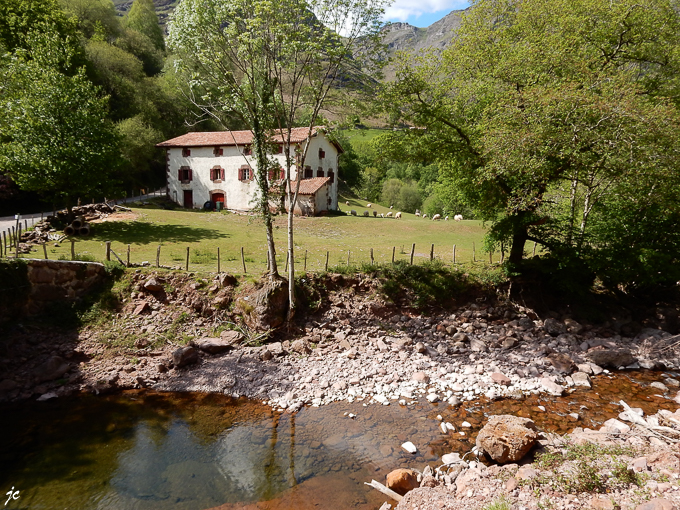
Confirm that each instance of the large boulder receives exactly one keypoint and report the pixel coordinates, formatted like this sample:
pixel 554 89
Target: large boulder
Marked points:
pixel 402 480
pixel 52 369
pixel 215 345
pixel 507 438
pixel 614 358
pixel 266 307
pixel 185 356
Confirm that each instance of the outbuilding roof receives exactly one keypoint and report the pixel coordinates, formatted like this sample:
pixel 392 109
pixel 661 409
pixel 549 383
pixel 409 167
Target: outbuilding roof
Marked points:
pixel 227 138
pixel 307 186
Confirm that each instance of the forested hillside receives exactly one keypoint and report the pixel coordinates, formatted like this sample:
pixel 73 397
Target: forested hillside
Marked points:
pixel 113 69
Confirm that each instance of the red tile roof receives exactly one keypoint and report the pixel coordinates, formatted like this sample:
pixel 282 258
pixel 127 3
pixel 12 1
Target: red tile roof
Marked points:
pixel 307 186
pixel 216 138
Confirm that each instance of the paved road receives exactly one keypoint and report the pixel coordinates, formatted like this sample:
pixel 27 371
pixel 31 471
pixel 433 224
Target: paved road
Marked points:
pixel 7 222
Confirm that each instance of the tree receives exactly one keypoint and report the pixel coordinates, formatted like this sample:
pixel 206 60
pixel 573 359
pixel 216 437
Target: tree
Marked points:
pixel 143 18
pixel 57 139
pixel 269 63
pixel 544 111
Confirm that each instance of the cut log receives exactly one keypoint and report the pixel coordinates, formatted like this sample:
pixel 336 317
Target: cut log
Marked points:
pixel 387 492
pixel 78 222
pixel 69 230
pixel 84 230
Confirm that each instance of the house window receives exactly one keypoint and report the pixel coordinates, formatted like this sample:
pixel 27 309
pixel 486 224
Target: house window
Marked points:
pixel 217 151
pixel 309 173
pixel 319 172
pixel 331 175
pixel 186 152
pixel 185 175
pixel 245 173
pixel 247 151
pixel 217 174
pixel 322 154
pixel 278 149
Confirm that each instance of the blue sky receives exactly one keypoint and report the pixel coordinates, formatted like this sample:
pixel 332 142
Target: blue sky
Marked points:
pixel 422 13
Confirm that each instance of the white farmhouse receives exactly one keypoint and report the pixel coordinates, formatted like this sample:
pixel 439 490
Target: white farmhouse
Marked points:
pixel 219 167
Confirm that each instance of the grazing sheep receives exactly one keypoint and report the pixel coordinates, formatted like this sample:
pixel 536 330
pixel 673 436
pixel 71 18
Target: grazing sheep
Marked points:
pixel 369 205
pixel 381 215
pixel 366 214
pixel 418 214
pixel 446 219
pixel 398 215
pixel 375 213
pixel 424 215
pixel 347 203
pixel 458 217
pixel 391 206
pixel 389 214
pixel 353 212
pixel 437 217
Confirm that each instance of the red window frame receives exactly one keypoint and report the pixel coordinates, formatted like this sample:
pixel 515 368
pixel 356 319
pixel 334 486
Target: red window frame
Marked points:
pixel 186 152
pixel 331 175
pixel 218 151
pixel 185 174
pixel 217 173
pixel 309 173
pixel 245 173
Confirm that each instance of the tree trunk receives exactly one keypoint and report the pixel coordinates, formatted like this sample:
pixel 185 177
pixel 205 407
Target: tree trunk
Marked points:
pixel 519 239
pixel 260 148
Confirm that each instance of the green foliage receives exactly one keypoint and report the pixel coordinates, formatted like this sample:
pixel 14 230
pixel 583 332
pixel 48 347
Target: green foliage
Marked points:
pixel 556 118
pixel 138 140
pixel 409 197
pixel 93 16
pixel 143 19
pixel 500 503
pixel 59 140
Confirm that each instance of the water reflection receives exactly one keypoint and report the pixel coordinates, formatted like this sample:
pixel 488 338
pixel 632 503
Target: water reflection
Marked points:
pixel 144 450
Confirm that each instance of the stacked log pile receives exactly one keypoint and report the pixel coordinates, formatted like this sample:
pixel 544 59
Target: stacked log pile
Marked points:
pixel 44 231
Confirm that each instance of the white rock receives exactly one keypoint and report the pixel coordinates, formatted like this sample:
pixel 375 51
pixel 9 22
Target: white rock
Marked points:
pixel 466 425
pixel 432 397
pixel 449 426
pixel 409 447
pixel 451 458
pixel 46 396
pixel 443 428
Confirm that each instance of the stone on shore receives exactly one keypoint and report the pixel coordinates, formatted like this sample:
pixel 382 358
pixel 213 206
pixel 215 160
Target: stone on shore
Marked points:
pixel 657 504
pixel 402 480
pixel 185 356
pixel 213 345
pixel 52 369
pixel 409 447
pixel 507 438
pixel 613 358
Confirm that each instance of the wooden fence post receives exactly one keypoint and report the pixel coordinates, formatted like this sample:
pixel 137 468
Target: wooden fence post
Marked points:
pixel 413 250
pixel 490 257
pixel 243 260
pixel 128 256
pixel 1 247
pixel 187 266
pixel 16 255
pixel 25 225
pixel 218 259
pixel 474 253
pixel 454 254
pixel 432 253
pixel 305 260
pixel 502 252
pixel 108 249
pixel 394 248
pixel 73 249
pixel 534 254
pixel 371 256
pixel 326 268
pixel 158 256
pixel 347 258
pixel 4 238
pixel 44 250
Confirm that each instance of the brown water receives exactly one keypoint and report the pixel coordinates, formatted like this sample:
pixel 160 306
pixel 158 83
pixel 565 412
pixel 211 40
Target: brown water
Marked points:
pixel 146 450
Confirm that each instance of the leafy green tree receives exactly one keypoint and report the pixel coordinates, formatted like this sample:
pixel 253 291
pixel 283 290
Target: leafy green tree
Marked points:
pixel 542 111
pixel 20 18
pixel 410 198
pixel 142 17
pixel 138 140
pixel 56 138
pixel 391 191
pixel 270 63
pixel 93 16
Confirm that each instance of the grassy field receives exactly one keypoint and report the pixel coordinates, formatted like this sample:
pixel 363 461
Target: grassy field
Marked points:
pixel 362 135
pixel 203 232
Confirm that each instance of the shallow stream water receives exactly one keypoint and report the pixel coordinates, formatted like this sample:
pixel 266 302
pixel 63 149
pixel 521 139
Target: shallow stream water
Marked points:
pixel 147 450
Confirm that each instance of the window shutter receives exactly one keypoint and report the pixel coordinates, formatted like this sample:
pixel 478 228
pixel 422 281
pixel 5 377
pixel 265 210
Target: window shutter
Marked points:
pixel 221 169
pixel 191 174
pixel 240 173
pixel 283 174
pixel 252 174
pixel 179 174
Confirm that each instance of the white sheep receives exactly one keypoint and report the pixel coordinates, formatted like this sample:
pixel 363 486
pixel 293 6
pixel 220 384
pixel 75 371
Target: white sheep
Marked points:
pixel 381 215
pixel 418 214
pixel 424 215
pixel 458 217
pixel 368 205
pixel 391 206
pixel 437 217
pixel 446 219
pixel 398 215
pixel 389 214
pixel 353 212
pixel 347 203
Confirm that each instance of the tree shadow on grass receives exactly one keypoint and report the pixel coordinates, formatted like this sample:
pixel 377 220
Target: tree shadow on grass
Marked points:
pixel 140 232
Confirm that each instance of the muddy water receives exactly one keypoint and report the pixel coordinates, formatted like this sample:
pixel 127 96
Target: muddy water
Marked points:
pixel 145 450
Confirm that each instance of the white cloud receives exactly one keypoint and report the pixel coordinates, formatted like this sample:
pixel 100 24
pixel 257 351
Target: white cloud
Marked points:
pixel 401 10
